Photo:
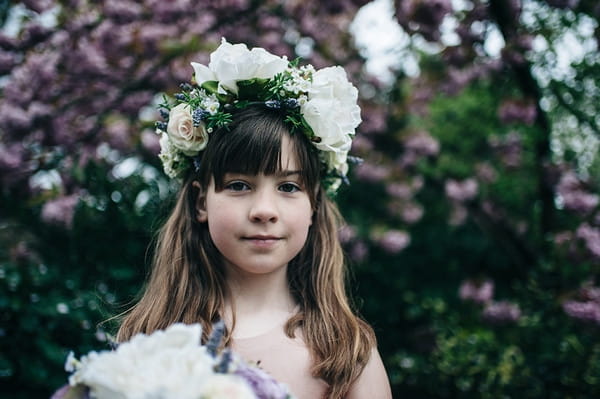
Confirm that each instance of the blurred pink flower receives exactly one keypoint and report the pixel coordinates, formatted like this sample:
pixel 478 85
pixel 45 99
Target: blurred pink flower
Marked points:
pixel 563 237
pixel 359 251
pixel 394 241
pixel 411 212
pixel 150 141
pixel 422 143
pixel 501 312
pixel 7 61
pixel 509 148
pixel 423 16
pixel 118 135
pixel 517 111
pixel 374 119
pixel 399 190
pixel 585 311
pixel 38 5
pixel 416 146
pixel 60 211
pixel 346 233
pixel 11 157
pixel 13 118
pixel 486 173
pixel 476 291
pixel 361 144
pixel 590 293
pixel 461 191
pixel 123 10
pixel 372 173
pixel 574 196
pixel 591 237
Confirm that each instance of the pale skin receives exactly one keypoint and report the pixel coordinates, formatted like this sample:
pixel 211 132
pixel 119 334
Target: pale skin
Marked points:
pixel 259 223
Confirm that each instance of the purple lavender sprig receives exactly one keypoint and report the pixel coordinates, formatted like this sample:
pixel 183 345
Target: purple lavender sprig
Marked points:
pixel 263 385
pixel 198 116
pixel 215 338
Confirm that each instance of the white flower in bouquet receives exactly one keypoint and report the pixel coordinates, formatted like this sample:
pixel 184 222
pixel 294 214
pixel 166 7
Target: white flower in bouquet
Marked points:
pixel 165 361
pixel 223 386
pixel 169 364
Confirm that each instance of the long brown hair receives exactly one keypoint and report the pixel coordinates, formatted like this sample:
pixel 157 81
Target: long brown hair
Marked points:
pixel 187 281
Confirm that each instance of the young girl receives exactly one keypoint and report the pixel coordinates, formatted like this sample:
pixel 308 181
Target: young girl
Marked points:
pixel 260 145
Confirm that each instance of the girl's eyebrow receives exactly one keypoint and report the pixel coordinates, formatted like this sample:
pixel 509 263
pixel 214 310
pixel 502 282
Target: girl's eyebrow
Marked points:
pixel 283 173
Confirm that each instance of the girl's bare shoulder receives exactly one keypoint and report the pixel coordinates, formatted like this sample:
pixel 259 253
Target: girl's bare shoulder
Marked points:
pixel 373 382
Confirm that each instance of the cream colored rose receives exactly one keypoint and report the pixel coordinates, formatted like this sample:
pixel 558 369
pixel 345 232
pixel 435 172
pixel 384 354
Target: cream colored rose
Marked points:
pixel 183 134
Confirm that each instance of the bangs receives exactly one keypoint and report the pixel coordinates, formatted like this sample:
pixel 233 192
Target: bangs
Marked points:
pixel 252 144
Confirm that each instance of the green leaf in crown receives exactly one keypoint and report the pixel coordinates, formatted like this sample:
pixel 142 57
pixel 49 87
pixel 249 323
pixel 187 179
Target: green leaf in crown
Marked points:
pixel 253 89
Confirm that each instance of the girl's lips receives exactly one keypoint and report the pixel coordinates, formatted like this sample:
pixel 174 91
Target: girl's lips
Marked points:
pixel 261 237
pixel 262 241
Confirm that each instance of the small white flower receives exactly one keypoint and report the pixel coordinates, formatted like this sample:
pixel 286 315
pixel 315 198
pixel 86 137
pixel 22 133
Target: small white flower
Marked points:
pixel 304 85
pixel 307 69
pixel 169 156
pixel 291 86
pixel 211 104
pixel 71 363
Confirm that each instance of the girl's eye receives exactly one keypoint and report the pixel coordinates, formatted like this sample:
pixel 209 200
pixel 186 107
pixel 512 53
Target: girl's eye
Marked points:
pixel 237 186
pixel 289 187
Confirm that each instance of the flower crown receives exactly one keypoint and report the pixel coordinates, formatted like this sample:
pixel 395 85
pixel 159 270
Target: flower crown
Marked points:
pixel 321 104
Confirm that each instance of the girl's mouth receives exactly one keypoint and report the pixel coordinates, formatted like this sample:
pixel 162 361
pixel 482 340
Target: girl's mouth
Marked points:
pixel 262 241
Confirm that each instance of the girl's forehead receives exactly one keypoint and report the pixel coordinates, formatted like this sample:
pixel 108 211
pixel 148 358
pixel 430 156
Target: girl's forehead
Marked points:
pixel 288 155
pixel 285 161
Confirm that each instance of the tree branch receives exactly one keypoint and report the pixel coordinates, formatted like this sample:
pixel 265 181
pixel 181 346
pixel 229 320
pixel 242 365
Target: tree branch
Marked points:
pixel 503 12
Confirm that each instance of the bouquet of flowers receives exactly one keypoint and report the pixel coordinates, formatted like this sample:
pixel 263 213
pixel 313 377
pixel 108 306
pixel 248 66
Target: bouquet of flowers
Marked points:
pixel 169 364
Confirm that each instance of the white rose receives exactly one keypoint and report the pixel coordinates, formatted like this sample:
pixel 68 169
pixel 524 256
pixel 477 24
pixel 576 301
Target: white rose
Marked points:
pixel 184 136
pixel 333 114
pixel 336 156
pixel 230 63
pixel 332 92
pixel 169 362
pixel 323 117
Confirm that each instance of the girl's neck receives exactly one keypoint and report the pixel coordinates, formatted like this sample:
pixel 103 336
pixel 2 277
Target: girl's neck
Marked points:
pixel 260 302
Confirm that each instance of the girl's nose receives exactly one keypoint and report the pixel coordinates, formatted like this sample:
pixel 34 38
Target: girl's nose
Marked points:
pixel 264 208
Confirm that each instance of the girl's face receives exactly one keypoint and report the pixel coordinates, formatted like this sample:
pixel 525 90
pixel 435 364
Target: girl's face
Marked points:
pixel 259 222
